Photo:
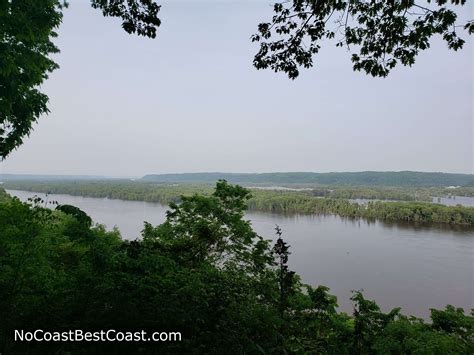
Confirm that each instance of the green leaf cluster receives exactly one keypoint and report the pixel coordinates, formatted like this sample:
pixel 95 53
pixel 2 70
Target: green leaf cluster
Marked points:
pixel 379 34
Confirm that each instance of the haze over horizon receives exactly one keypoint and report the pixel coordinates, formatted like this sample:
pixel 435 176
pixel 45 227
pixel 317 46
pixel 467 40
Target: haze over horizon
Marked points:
pixel 190 101
pixel 215 172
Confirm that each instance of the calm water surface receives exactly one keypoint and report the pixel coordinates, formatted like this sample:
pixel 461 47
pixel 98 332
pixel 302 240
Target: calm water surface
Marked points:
pixel 413 267
pixel 455 200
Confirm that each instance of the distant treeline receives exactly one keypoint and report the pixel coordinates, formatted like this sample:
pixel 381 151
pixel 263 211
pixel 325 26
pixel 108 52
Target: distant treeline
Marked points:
pixel 131 191
pixel 471 183
pixel 391 193
pixel 414 212
pixel 364 178
pixel 375 193
pixel 273 201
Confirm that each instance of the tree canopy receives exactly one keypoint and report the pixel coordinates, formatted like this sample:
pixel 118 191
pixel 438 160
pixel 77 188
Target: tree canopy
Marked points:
pixel 26 32
pixel 379 34
pixel 27 28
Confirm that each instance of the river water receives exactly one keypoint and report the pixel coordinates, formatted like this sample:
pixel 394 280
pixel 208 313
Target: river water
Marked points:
pixel 414 267
pixel 455 200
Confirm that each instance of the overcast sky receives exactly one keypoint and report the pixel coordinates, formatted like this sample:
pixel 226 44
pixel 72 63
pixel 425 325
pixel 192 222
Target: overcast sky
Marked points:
pixel 191 101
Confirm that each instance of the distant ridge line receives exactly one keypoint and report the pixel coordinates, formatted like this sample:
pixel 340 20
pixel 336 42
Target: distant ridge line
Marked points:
pixel 362 178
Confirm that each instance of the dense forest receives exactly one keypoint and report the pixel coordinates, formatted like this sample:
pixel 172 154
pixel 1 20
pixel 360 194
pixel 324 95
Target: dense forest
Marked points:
pixel 391 193
pixel 336 200
pixel 204 273
pixel 364 178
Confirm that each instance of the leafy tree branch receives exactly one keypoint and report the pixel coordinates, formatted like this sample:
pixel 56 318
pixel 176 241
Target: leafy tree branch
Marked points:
pixel 379 34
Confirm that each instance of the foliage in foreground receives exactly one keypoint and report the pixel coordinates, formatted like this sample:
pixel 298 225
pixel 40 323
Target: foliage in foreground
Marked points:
pixel 27 31
pixel 204 272
pixel 379 34
pixel 4 197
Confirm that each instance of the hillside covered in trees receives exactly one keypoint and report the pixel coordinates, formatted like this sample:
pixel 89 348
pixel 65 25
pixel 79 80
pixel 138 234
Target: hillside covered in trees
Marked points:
pixel 364 178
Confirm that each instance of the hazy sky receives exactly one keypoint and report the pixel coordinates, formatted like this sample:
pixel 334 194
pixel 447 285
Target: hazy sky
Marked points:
pixel 190 101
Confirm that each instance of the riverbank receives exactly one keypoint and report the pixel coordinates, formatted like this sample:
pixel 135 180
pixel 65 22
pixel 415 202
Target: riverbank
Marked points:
pixel 305 202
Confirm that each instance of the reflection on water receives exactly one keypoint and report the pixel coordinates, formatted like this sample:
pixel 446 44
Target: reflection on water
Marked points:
pixel 416 267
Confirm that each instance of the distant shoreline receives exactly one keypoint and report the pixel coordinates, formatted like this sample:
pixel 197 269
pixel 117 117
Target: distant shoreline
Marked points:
pixel 275 201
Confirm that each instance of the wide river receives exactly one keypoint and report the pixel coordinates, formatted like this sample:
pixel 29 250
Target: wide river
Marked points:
pixel 414 267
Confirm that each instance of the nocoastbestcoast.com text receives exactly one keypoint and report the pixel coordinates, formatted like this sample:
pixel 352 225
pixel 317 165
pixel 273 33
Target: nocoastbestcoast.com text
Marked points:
pixel 111 335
